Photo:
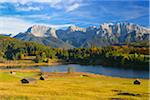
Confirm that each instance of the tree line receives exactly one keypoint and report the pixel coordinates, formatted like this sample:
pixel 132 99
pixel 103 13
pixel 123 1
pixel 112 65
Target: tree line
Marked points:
pixel 116 56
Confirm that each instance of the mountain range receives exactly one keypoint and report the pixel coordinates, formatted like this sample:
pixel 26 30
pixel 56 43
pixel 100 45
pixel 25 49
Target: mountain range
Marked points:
pixel 104 35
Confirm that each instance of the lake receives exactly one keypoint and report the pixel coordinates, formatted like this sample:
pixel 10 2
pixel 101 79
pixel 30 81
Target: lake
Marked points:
pixel 108 71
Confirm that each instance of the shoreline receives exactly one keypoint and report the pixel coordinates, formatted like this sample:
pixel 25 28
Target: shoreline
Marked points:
pixel 64 74
pixel 17 63
pixel 27 64
pixel 86 74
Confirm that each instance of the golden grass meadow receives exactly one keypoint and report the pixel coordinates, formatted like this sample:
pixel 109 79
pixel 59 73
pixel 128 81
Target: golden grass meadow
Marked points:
pixel 70 86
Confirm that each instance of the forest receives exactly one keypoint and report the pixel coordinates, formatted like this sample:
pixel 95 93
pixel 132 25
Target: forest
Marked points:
pixel 135 55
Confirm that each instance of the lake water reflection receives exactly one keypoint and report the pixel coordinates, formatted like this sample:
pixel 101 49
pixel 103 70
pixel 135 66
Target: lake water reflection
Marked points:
pixel 109 71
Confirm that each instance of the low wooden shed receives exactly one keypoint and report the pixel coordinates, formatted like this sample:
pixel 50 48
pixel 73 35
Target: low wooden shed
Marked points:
pixel 137 82
pixel 42 78
pixel 12 72
pixel 27 80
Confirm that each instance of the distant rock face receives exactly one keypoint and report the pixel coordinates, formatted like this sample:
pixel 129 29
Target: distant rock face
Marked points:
pixel 123 32
pixel 104 35
pixel 43 35
pixel 42 31
pixel 73 35
pixel 76 28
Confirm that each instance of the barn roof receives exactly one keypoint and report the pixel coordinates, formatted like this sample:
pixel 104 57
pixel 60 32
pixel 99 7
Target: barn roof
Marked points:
pixel 29 79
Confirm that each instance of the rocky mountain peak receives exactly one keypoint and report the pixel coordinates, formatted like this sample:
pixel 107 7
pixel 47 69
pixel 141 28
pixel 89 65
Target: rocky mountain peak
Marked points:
pixel 106 34
pixel 42 31
pixel 74 28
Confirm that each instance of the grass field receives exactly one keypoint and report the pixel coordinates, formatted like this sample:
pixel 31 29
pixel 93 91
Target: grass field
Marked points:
pixel 26 63
pixel 74 86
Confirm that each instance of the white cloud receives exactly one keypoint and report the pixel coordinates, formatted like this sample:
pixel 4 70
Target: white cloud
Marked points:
pixel 72 7
pixel 28 8
pixel 38 16
pixel 13 25
pixel 67 5
pixel 26 1
pixel 9 25
pixel 53 2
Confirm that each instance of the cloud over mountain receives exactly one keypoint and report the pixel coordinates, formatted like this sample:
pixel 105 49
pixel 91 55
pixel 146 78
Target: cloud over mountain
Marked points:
pixel 82 13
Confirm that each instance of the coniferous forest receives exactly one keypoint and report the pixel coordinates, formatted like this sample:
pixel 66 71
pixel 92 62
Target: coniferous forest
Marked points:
pixel 134 55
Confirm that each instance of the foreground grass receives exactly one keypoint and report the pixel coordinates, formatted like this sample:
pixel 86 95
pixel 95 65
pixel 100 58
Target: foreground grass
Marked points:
pixel 75 86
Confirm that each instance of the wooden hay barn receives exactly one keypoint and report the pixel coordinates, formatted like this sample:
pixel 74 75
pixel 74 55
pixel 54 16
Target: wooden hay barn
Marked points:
pixel 42 78
pixel 27 80
pixel 12 72
pixel 137 82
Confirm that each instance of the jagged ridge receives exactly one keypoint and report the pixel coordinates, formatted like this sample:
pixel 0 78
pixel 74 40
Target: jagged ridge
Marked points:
pixel 104 35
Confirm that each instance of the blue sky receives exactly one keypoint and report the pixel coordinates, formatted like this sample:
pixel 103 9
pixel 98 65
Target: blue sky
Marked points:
pixel 17 15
